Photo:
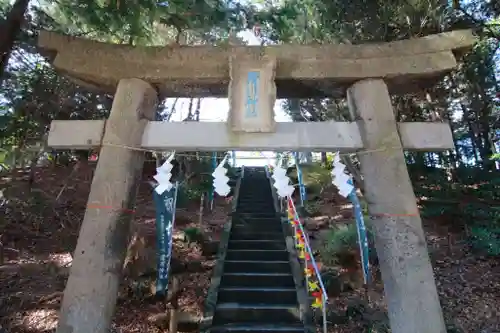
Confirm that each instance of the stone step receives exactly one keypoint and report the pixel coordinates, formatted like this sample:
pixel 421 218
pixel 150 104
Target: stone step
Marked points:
pixel 257 280
pixel 226 313
pixel 257 255
pixel 256 328
pixel 256 235
pixel 258 295
pixel 257 245
pixel 243 266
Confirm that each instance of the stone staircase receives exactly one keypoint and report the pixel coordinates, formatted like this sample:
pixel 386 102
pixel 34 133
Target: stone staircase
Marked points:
pixel 257 291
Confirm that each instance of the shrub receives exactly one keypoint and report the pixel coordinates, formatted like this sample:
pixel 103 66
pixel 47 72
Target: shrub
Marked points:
pixel 340 241
pixel 486 240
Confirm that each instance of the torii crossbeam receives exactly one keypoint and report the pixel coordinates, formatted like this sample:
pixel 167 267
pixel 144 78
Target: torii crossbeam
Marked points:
pixel 252 77
pixel 215 136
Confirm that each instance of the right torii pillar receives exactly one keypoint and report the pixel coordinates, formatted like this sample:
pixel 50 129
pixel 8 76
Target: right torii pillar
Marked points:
pixel 410 290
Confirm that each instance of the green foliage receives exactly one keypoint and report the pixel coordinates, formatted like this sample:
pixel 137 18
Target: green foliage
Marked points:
pixel 486 239
pixel 188 193
pixel 312 208
pixel 339 241
pixel 315 177
pixel 143 22
pixel 193 234
pixel 472 200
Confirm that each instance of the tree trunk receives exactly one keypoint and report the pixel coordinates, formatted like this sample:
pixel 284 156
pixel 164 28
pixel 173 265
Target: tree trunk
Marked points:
pixel 355 173
pixel 172 327
pixel 200 211
pixel 308 157
pixel 476 144
pixel 197 110
pixel 10 29
pixel 487 149
pixel 34 161
pixel 324 158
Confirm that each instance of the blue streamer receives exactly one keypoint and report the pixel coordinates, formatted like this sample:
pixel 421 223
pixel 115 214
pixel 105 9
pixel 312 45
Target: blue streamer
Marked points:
pixel 362 234
pixel 165 216
pixel 302 187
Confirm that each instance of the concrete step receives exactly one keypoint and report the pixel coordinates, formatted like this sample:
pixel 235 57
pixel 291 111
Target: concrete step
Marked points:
pixel 257 245
pixel 256 214
pixel 258 224
pixel 258 328
pixel 257 255
pixel 253 193
pixel 243 228
pixel 255 187
pixel 239 266
pixel 257 280
pixel 256 198
pixel 269 211
pixel 253 235
pixel 252 220
pixel 258 295
pixel 226 313
pixel 268 207
pixel 260 200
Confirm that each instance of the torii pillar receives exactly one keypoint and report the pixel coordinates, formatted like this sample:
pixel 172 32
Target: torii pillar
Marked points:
pixel 90 296
pixel 253 76
pixel 409 286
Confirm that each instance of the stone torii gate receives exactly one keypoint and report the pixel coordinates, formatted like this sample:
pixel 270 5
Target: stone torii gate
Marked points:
pixel 253 76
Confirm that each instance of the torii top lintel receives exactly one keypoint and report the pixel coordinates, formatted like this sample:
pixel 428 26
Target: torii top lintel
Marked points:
pixel 301 70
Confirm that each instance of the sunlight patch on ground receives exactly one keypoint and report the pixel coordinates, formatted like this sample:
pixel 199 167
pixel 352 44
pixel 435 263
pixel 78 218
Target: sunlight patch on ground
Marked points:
pixel 40 320
pixel 61 259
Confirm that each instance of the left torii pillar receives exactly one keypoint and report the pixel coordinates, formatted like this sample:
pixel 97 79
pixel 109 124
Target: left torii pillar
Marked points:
pixel 91 291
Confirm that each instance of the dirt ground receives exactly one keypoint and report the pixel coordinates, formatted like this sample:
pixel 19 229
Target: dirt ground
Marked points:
pixel 38 229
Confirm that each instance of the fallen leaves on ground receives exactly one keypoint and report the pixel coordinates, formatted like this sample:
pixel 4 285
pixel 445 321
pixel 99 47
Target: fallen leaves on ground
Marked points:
pixel 40 232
